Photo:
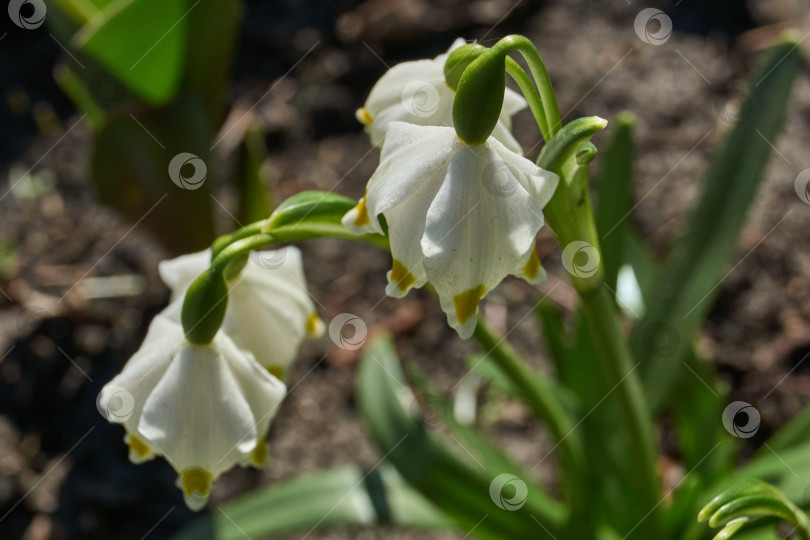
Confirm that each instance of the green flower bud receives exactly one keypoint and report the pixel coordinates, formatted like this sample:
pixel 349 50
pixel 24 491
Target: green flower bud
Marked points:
pixel 479 97
pixel 458 60
pixel 204 307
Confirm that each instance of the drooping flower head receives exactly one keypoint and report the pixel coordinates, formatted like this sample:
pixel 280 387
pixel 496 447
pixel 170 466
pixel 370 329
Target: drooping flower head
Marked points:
pixel 459 216
pixel 462 210
pixel 205 408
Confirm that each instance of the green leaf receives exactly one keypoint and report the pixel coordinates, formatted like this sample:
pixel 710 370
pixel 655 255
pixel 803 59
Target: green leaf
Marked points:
pixel 694 269
pixel 130 169
pixel 614 197
pixel 343 495
pixel 141 42
pixel 254 199
pixel 752 499
pixel 795 432
pixel 459 488
pixel 312 214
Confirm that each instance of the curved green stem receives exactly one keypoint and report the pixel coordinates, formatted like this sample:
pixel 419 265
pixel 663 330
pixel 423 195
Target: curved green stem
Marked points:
pixel 539 395
pixel 527 49
pixel 530 93
pixel 227 239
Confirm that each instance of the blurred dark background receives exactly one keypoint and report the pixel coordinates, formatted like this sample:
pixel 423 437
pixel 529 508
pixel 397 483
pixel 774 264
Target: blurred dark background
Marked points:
pixel 78 284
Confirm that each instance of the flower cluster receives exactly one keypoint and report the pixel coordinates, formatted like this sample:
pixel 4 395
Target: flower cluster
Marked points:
pixel 460 215
pixel 206 408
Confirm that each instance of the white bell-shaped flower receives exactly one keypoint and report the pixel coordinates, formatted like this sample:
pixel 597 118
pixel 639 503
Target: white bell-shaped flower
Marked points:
pixel 416 93
pixel 269 310
pixel 460 216
pixel 205 408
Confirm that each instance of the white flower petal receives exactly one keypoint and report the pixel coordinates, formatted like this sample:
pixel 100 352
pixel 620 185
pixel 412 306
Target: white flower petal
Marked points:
pixel 123 398
pixel 197 414
pixel 399 176
pixel 480 225
pixel 178 273
pixel 540 183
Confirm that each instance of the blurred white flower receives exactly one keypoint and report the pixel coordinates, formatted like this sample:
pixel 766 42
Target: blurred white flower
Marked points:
pixel 416 93
pixel 460 216
pixel 269 310
pixel 205 408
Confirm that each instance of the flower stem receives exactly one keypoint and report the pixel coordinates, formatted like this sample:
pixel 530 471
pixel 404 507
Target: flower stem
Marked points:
pixel 527 49
pixel 540 396
pixel 530 93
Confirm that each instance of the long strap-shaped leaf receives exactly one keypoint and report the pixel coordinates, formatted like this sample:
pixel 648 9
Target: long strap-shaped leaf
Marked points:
pixel 694 269
pixel 477 499
pixel 340 496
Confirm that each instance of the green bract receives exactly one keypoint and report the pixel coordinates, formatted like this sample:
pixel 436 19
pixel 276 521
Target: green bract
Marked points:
pixel 204 307
pixel 458 61
pixel 479 97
